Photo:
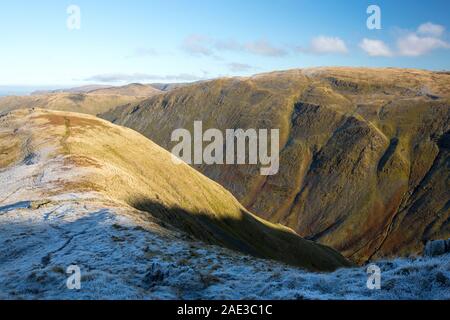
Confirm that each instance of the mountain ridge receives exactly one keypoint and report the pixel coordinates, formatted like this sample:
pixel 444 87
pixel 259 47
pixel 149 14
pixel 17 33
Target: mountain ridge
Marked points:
pixel 62 156
pixel 358 147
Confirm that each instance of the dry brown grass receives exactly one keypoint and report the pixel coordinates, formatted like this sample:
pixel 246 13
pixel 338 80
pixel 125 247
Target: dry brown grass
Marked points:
pixel 83 103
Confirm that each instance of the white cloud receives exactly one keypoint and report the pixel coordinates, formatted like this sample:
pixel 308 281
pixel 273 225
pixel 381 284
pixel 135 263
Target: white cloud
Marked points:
pixel 264 48
pixel 427 38
pixel 237 67
pixel 140 77
pixel 413 45
pixel 325 45
pixel 229 45
pixel 202 45
pixel 375 48
pixel 431 29
pixel 198 45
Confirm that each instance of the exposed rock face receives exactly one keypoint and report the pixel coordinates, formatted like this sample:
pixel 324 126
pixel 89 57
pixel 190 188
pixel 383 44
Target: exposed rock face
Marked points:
pixel 52 158
pixel 365 152
pixel 437 248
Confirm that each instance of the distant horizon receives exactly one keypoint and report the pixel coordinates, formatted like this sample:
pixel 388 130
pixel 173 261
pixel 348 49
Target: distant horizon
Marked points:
pixel 27 89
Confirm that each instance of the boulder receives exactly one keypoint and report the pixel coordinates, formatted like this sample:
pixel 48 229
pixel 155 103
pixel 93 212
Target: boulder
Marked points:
pixel 437 248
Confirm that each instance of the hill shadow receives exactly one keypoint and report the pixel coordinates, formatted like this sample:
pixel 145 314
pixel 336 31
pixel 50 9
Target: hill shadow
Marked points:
pixel 247 235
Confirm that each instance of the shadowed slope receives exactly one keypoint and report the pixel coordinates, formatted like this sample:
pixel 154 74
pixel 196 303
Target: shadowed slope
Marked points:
pixel 62 154
pixel 361 165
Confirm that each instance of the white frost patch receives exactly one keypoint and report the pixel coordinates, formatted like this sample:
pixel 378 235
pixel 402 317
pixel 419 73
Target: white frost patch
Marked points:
pixel 122 258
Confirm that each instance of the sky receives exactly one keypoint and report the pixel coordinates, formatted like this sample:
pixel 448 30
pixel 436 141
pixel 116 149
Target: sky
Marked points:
pixel 123 41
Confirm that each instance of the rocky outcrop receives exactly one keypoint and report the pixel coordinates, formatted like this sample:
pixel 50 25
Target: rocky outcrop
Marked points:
pixel 437 248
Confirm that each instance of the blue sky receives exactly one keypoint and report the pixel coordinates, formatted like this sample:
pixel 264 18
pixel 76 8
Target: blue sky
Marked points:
pixel 124 41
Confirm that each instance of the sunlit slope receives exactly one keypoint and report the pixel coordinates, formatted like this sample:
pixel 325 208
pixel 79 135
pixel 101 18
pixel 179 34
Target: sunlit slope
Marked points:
pixel 75 102
pixel 134 89
pixel 364 152
pixel 62 154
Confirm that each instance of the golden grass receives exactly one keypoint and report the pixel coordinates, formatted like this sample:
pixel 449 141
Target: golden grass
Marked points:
pixel 126 167
pixel 341 180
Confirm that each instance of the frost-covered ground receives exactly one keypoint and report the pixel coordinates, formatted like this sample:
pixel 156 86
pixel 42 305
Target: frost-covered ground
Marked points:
pixel 123 256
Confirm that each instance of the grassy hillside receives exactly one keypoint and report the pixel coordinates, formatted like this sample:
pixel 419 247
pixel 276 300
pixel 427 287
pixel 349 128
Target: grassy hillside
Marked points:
pixel 88 99
pixel 82 89
pixel 134 89
pixel 364 158
pixel 50 155
pixel 76 102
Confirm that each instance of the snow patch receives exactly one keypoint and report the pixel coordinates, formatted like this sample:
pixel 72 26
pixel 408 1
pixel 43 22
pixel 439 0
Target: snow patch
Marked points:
pixel 122 258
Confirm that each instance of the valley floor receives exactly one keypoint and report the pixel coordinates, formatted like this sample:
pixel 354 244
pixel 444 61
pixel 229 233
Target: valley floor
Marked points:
pixel 122 258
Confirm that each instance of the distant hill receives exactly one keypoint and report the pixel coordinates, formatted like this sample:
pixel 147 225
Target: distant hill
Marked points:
pixel 83 89
pixel 67 159
pixel 91 99
pixel 169 86
pixel 76 102
pixel 129 89
pixel 364 152
pixel 134 89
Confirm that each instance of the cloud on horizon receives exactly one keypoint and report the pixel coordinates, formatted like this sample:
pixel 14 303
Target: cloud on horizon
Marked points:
pixel 140 77
pixel 197 44
pixel 239 67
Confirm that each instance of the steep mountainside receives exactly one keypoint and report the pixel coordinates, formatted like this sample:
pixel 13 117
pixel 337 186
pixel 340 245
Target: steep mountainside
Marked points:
pixel 51 158
pixel 364 152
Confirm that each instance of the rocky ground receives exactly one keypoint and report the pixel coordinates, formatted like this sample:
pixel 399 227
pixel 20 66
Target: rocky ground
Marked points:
pixel 120 257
